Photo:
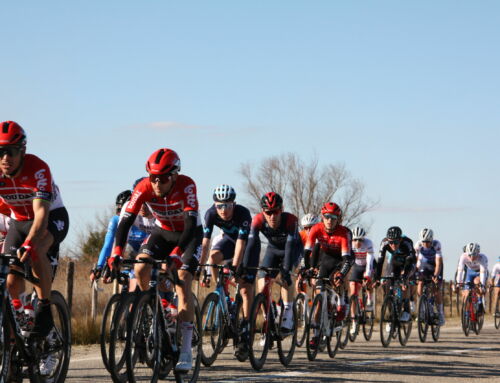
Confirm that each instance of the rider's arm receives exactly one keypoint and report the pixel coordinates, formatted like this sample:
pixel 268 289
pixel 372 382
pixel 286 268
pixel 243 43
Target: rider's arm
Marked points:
pixel 239 250
pixel 380 260
pixel 108 242
pixel 41 209
pixel 292 241
pixel 347 254
pixel 370 255
pixel 483 271
pixel 243 233
pixel 460 270
pixel 190 223
pixel 207 234
pixel 252 249
pixel 122 230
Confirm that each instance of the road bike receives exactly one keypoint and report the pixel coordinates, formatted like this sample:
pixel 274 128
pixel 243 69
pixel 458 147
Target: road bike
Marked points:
pixel 360 316
pixel 265 326
pixel 220 317
pixel 496 313
pixel 153 338
pixel 472 311
pixel 303 305
pixel 390 314
pixel 326 321
pixel 428 312
pixel 23 356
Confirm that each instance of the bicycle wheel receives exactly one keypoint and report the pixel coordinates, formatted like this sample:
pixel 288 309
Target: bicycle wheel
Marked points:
pixel 212 329
pixel 196 344
pixel 301 308
pixel 423 318
pixel 344 336
pixel 334 337
pixel 435 327
pixel 287 342
pixel 236 323
pixel 314 331
pixel 354 318
pixel 497 312
pixel 5 349
pixel 478 325
pixel 404 331
pixel 259 338
pixel 387 321
pixel 118 338
pixel 143 342
pixel 466 313
pixel 106 324
pixel 368 320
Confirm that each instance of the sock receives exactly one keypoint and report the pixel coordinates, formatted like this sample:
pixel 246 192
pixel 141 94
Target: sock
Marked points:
pixel 187 336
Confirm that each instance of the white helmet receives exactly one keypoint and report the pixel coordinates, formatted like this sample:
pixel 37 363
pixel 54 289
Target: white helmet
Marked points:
pixel 224 193
pixel 309 220
pixel 358 233
pixel 472 248
pixel 426 235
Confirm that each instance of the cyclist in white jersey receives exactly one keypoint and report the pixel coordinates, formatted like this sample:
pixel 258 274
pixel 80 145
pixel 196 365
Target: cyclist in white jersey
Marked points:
pixel 430 265
pixel 477 270
pixel 362 270
pixel 495 280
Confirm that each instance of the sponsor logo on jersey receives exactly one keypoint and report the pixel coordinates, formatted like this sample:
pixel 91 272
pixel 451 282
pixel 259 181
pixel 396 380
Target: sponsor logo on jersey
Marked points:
pixel 134 198
pixel 41 178
pixel 190 196
pixel 59 225
pixel 14 197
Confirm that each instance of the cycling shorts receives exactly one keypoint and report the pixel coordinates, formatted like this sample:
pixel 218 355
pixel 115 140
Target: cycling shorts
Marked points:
pixel 469 278
pixel 357 273
pixel 225 244
pixel 161 242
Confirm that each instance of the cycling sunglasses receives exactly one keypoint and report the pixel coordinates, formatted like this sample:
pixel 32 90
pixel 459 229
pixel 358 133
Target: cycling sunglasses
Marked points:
pixel 161 178
pixel 10 151
pixel 394 241
pixel 272 212
pixel 221 206
pixel 330 216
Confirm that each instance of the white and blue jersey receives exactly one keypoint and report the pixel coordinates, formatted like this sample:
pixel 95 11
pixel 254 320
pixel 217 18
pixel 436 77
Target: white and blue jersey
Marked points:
pixel 138 233
pixel 475 268
pixel 495 275
pixel 426 257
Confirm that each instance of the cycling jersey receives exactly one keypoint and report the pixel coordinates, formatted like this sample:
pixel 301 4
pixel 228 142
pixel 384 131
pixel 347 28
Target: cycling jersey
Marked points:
pixel 238 227
pixel 33 182
pixel 479 265
pixel 285 237
pixel 399 260
pixel 141 228
pixel 364 255
pixel 303 236
pixel 168 210
pixel 495 275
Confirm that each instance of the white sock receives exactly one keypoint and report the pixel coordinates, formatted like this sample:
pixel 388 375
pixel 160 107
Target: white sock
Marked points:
pixel 187 336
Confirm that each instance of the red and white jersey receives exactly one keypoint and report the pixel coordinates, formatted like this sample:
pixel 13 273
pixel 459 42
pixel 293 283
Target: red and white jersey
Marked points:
pixel 364 254
pixel 168 210
pixel 4 225
pixel 337 243
pixel 33 182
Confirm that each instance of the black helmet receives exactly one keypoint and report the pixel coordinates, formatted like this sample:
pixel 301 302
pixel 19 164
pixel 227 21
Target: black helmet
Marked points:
pixel 394 232
pixel 123 197
pixel 271 201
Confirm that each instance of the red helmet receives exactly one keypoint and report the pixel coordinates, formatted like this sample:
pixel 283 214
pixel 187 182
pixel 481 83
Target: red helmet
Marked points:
pixel 163 161
pixel 331 208
pixel 271 201
pixel 11 133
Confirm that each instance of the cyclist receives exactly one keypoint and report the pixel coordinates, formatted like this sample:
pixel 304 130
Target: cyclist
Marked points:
pixel 430 265
pixel 495 281
pixel 362 270
pixel 39 221
pixel 400 263
pixel 307 222
pixel 172 199
pixel 477 271
pixel 332 252
pixel 283 250
pixel 141 228
pixel 234 221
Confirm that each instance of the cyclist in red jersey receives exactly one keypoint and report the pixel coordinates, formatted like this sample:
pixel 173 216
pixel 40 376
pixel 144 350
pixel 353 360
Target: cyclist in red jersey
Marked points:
pixel 178 234
pixel 39 221
pixel 332 252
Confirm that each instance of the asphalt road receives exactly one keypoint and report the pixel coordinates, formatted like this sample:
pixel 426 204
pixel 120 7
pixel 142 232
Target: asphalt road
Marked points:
pixel 455 358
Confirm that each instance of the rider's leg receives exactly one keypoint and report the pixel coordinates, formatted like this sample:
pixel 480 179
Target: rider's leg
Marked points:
pixel 215 258
pixel 143 273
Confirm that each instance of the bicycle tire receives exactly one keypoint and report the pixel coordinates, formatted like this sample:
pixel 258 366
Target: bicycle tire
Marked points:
pixel 212 329
pixel 259 332
pixel 466 321
pixel 354 321
pixel 238 319
pixel 497 312
pixel 423 318
pixel 301 308
pixel 315 329
pixel 387 318
pixel 5 348
pixel 368 320
pixel 286 345
pixel 106 325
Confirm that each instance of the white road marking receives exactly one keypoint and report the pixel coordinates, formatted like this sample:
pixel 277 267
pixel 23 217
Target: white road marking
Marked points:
pixel 266 377
pixel 84 359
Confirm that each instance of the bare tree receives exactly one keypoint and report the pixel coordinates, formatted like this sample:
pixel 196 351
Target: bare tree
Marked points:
pixel 306 186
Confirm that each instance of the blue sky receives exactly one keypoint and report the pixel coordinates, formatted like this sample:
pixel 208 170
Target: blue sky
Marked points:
pixel 406 94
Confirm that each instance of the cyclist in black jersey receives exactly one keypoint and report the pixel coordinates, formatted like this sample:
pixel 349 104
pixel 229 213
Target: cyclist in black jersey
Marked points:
pixel 228 247
pixel 283 250
pixel 401 262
